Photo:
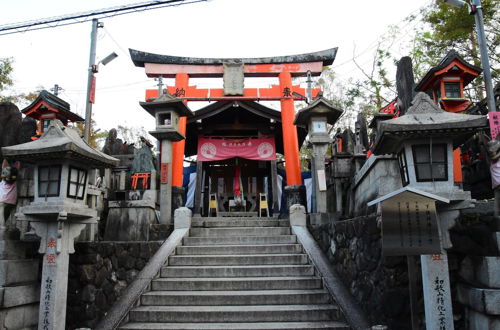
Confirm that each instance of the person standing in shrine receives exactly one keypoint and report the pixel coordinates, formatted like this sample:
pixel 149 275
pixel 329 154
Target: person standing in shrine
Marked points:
pixel 8 192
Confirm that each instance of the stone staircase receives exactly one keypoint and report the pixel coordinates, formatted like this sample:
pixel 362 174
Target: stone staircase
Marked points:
pixel 237 273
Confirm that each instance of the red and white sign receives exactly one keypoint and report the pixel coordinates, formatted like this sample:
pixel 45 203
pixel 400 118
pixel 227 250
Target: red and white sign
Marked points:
pixel 211 149
pixel 494 118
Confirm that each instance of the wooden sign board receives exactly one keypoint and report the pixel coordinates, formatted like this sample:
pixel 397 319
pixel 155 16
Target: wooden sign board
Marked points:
pixel 494 118
pixel 409 225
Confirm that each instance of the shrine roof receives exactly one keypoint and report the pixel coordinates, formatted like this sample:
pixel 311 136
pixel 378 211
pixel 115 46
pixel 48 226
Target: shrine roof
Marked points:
pixel 445 65
pixel 319 107
pixel 424 119
pixel 250 114
pixel 59 142
pixel 326 56
pixel 52 102
pixel 164 102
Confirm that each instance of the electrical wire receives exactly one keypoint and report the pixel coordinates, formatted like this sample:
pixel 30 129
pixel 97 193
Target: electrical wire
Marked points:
pixel 56 21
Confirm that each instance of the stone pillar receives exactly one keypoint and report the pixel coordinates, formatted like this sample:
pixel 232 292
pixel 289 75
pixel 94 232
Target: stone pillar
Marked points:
pixel 274 187
pixel 177 198
pixel 319 152
pixel 166 183
pixel 56 244
pixel 295 194
pixel 198 189
pixel 437 294
pixel 338 196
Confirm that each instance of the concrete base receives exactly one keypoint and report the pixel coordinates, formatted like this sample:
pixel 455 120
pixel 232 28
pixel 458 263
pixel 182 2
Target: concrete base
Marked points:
pixel 130 220
pixel 20 317
pixel 295 194
pixel 319 219
pixel 486 301
pixel 480 321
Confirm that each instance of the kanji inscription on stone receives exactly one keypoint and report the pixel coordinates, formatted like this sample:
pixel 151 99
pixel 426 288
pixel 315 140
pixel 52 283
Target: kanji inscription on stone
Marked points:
pixel 437 296
pixel 234 79
pixel 409 226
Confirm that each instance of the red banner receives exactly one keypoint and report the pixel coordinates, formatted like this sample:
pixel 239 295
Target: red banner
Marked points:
pixel 92 90
pixel 211 149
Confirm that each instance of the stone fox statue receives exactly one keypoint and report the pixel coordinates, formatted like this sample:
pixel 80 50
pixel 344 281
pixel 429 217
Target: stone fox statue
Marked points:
pixel 8 190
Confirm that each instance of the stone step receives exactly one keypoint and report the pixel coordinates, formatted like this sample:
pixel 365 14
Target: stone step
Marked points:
pixel 237 214
pixel 238 283
pixel 322 325
pixel 239 231
pixel 237 271
pixel 240 222
pixel 239 249
pixel 224 298
pixel 243 259
pixel 231 218
pixel 266 313
pixel 245 240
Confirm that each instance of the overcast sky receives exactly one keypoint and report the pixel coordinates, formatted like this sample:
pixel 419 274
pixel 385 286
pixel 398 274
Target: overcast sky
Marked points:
pixel 217 28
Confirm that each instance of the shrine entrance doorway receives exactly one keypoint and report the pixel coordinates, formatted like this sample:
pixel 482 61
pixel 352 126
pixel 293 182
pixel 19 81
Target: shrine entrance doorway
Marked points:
pixel 235 177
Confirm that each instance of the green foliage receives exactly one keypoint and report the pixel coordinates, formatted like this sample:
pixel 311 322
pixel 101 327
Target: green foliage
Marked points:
pixel 6 70
pixel 444 27
pixel 5 73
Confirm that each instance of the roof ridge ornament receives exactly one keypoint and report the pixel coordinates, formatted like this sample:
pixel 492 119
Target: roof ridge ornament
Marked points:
pixel 422 104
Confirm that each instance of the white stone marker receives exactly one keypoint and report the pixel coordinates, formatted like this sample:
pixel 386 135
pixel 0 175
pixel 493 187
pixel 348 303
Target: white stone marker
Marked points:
pixel 437 295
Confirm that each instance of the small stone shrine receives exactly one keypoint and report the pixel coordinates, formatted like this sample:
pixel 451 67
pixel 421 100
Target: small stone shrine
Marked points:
pixel 59 212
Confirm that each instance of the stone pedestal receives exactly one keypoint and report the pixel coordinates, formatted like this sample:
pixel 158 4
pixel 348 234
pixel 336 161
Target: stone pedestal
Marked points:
pixel 177 198
pixel 19 287
pixel 130 220
pixel 295 194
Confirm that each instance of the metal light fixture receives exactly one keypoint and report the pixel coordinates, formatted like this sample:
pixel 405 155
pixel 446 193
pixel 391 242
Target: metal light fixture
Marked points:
pixel 109 58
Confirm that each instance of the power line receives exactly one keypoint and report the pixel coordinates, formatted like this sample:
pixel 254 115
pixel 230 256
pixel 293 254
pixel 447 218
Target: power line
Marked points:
pixel 82 17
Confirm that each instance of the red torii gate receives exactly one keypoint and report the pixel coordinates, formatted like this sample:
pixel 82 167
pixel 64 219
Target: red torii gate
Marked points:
pixel 283 67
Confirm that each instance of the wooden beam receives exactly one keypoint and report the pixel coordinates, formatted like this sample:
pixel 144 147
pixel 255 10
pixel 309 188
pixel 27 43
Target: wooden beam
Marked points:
pixel 249 70
pixel 192 93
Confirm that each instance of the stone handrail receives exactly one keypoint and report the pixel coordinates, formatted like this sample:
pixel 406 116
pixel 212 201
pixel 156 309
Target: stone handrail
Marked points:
pixel 351 310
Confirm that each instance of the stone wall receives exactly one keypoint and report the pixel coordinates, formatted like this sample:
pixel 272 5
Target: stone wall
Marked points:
pixel 98 274
pixel 380 285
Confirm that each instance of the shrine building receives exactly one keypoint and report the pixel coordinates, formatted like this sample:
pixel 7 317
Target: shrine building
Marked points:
pixel 47 107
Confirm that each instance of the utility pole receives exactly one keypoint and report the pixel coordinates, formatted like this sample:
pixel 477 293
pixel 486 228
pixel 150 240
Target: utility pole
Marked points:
pixel 56 89
pixel 309 87
pixel 160 85
pixel 91 79
pixel 477 11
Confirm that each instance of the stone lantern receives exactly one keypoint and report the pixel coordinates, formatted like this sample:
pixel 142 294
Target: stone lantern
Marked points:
pixel 315 118
pixel 59 211
pixel 416 218
pixel 166 110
